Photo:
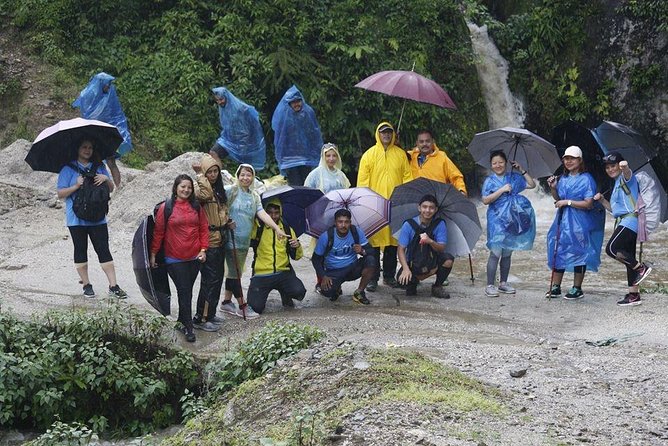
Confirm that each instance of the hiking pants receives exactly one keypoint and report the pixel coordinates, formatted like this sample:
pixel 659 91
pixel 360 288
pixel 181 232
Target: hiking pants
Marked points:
pixel 622 247
pixel 389 262
pixel 211 283
pixel 184 275
pixel 99 237
pixel 286 282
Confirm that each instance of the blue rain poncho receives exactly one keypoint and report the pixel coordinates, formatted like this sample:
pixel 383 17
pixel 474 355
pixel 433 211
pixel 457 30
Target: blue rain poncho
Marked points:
pixel 297 137
pixel 94 103
pixel 511 221
pixel 241 133
pixel 580 230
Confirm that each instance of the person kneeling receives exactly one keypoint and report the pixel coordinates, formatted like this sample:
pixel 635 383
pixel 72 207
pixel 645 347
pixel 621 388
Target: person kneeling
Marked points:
pixel 336 260
pixel 271 263
pixel 421 251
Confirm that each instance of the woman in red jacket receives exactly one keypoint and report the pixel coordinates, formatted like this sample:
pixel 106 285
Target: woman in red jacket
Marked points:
pixel 185 236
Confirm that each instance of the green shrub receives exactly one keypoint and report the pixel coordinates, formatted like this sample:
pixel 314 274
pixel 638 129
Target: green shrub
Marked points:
pixel 63 434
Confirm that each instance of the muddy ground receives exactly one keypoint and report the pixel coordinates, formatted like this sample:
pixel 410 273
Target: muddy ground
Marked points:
pixel 572 392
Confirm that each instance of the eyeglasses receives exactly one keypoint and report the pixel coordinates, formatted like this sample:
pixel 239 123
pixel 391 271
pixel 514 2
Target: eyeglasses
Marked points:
pixel 612 158
pixel 329 146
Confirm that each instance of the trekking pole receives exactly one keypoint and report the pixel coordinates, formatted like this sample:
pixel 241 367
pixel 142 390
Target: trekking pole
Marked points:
pixel 556 247
pixel 240 297
pixel 471 267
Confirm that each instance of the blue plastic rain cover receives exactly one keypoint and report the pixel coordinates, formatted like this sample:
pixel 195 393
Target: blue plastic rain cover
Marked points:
pixel 94 103
pixel 580 231
pixel 511 222
pixel 297 137
pixel 241 133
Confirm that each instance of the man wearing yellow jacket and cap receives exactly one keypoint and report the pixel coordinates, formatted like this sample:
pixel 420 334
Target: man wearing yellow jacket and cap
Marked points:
pixel 383 167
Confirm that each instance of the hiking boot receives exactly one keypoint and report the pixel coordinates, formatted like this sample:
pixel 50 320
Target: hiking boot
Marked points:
pixel 642 273
pixel 574 294
pixel 250 313
pixel 116 291
pixel 216 320
pixel 228 307
pixel 190 335
pixel 506 289
pixel 438 291
pixel 288 303
pixel 359 296
pixel 554 292
pixel 446 282
pixel 391 282
pixel 491 291
pixel 336 295
pixel 205 326
pixel 372 286
pixel 630 299
pixel 411 289
pixel 88 290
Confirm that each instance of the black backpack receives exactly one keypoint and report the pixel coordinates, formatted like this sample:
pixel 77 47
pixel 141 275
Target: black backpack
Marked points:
pixel 330 238
pixel 423 258
pixel 91 202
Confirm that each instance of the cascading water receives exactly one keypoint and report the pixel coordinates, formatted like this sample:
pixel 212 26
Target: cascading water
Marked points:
pixel 503 109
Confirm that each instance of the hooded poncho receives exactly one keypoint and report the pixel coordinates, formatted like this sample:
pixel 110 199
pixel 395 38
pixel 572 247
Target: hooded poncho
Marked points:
pixel 324 178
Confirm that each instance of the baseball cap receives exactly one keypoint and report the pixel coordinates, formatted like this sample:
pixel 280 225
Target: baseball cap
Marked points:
pixel 573 151
pixel 612 158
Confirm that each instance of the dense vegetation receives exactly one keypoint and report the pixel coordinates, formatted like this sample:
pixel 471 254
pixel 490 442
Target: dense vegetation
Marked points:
pixel 167 55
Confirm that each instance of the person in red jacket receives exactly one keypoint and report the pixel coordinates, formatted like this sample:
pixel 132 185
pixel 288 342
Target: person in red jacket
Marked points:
pixel 185 236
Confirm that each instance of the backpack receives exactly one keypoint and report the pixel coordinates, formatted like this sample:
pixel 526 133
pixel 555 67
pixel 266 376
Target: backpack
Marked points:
pixel 169 208
pixel 649 201
pixel 423 258
pixel 91 202
pixel 330 238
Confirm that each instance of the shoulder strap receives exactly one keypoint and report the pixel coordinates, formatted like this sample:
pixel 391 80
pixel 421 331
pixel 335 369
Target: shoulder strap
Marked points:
pixel 356 235
pixel 258 234
pixel 330 241
pixel 167 212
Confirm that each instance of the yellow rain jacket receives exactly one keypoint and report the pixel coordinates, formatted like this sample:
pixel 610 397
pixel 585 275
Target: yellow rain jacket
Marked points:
pixel 271 254
pixel 216 213
pixel 437 167
pixel 382 170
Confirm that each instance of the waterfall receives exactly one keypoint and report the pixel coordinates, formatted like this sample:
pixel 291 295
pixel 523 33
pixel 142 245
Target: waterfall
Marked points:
pixel 503 109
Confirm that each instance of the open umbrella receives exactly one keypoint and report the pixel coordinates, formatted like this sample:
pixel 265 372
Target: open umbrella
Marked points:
pixel 407 85
pixel 370 211
pixel 57 145
pixel 459 213
pixel 538 156
pixel 153 282
pixel 294 201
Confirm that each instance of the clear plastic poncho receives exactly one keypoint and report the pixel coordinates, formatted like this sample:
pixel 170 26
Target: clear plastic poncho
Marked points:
pixel 297 137
pixel 511 221
pixel 580 231
pixel 94 103
pixel 242 207
pixel 324 178
pixel 241 132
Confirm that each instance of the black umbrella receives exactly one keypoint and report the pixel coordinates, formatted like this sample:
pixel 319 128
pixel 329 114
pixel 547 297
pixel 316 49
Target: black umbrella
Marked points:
pixel 57 145
pixel 294 201
pixel 153 282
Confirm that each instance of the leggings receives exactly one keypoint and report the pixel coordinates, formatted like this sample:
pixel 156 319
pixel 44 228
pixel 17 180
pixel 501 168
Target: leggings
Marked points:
pixel 580 269
pixel 622 247
pixel 493 262
pixel 99 237
pixel 233 285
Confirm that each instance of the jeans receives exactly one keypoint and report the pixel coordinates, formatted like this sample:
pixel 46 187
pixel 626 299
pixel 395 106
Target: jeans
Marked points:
pixel 184 275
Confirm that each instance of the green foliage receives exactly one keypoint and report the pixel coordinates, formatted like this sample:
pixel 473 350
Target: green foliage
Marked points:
pixel 643 77
pixel 167 55
pixel 191 405
pixel 655 11
pixel 307 429
pixel 575 103
pixel 259 354
pixel 107 369
pixel 64 434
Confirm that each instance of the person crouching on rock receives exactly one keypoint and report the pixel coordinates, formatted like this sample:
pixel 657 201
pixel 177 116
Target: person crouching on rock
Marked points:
pixel 70 181
pixel 271 263
pixel 421 251
pixel 336 260
pixel 186 238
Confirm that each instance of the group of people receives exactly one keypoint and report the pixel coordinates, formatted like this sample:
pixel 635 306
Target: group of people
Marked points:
pixel 208 228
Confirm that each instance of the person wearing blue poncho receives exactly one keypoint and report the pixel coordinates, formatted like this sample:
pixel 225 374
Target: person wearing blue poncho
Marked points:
pixel 511 222
pixel 99 101
pixel 297 137
pixel 575 237
pixel 241 136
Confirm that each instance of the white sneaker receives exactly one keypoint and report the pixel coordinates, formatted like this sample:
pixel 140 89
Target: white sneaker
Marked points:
pixel 506 289
pixel 491 291
pixel 228 307
pixel 250 313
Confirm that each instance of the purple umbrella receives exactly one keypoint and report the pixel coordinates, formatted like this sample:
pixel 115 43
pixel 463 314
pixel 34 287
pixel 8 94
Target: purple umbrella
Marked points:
pixel 370 211
pixel 57 145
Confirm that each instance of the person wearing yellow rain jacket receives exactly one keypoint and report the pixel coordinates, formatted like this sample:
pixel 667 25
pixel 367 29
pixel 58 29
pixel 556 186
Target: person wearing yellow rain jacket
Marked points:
pixel 383 167
pixel 271 263
pixel 428 161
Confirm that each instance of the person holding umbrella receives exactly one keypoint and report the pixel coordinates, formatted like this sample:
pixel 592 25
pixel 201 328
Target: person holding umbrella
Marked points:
pixel 570 240
pixel 511 223
pixel 383 167
pixel 622 243
pixel 70 181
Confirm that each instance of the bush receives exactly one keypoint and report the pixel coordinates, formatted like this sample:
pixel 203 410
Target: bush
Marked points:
pixel 259 354
pixel 107 369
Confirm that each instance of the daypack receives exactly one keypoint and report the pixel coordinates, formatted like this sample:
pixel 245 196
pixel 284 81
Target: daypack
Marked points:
pixel 330 238
pixel 422 258
pixel 91 202
pixel 649 202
